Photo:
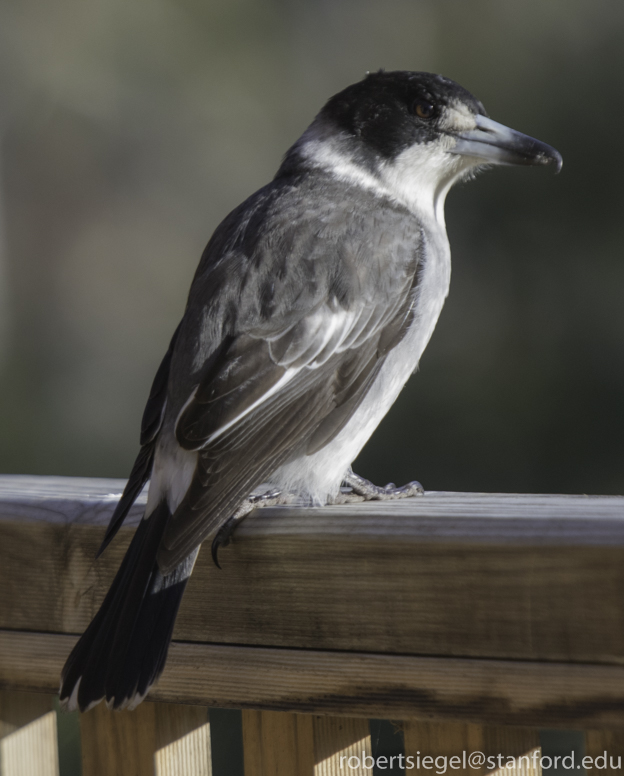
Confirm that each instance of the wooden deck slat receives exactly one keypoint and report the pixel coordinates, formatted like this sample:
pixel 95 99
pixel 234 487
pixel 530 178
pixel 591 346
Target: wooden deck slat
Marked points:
pixel 608 746
pixel 31 750
pixel 126 742
pixel 431 739
pixel 20 708
pixel 277 743
pixel 336 740
pixel 187 756
pixel 493 692
pixel 462 575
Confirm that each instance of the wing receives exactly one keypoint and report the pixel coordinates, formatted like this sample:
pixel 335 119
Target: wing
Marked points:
pixel 268 398
pixel 301 293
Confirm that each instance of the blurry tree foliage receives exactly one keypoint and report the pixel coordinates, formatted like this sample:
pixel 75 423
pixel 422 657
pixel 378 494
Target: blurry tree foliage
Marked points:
pixel 129 130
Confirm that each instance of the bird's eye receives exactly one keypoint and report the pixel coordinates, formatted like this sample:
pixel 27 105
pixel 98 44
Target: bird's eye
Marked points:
pixel 424 109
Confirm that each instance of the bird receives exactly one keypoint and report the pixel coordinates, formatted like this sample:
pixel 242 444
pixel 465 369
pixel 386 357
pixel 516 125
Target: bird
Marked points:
pixel 310 309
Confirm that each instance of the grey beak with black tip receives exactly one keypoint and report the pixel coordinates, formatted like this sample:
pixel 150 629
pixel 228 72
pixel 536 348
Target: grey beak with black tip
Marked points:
pixel 497 144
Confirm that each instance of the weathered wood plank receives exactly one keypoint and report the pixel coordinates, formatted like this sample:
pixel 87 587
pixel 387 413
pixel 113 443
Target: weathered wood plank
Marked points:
pixel 526 764
pixel 19 708
pixel 341 745
pixel 470 575
pixel 501 692
pixel 608 747
pixel 465 742
pixel 278 744
pixel 126 742
pixel 188 756
pixel 31 750
pixel 92 501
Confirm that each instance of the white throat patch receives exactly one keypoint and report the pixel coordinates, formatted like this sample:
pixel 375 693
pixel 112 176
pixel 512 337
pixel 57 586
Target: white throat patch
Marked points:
pixel 419 178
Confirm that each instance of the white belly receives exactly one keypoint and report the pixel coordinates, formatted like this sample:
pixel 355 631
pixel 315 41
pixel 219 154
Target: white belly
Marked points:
pixel 318 476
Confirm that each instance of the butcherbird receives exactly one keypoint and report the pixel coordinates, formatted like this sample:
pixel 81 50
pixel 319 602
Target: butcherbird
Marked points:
pixel 310 308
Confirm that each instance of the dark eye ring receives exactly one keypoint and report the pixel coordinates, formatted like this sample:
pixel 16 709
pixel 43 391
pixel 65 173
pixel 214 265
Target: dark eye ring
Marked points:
pixel 424 109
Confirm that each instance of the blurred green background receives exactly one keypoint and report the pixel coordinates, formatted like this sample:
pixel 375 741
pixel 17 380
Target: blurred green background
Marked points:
pixel 129 130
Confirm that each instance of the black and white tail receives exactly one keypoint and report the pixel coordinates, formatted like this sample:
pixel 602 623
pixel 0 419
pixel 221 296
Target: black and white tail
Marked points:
pixel 124 649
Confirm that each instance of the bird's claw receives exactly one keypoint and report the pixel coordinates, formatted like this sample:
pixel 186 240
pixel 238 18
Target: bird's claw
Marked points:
pixel 346 496
pixel 222 539
pixel 368 492
pixel 391 491
pixel 224 534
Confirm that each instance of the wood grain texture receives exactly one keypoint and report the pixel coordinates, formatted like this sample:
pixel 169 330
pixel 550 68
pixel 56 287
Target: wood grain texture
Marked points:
pixel 336 741
pixel 31 750
pixel 501 692
pixel 608 745
pixel 278 744
pixel 188 756
pixel 464 575
pixel 125 742
pixel 529 763
pixel 281 744
pixel 430 739
pixel 19 708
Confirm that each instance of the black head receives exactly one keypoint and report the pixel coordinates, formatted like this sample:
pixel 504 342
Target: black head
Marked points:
pixel 415 133
pixel 390 111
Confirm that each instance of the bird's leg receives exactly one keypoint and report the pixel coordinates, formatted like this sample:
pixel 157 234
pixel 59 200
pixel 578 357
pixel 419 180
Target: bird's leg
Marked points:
pixel 369 492
pixel 224 534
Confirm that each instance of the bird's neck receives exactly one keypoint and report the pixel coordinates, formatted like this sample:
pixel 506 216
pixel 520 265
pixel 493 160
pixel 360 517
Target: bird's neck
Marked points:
pixel 403 180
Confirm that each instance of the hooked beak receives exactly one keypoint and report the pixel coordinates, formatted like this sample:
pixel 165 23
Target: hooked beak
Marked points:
pixel 498 144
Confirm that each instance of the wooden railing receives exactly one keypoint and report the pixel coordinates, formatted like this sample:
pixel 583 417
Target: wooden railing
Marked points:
pixel 473 619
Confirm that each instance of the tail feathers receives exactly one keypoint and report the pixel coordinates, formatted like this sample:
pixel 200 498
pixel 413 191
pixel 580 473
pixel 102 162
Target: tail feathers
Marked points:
pixel 124 649
pixel 139 475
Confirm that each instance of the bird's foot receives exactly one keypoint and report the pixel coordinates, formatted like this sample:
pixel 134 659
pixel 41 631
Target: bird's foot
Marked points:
pixel 224 534
pixel 346 495
pixel 366 491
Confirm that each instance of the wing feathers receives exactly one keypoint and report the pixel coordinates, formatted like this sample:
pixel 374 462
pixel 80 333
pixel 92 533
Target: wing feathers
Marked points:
pixel 310 318
pixel 155 407
pixel 245 431
pixel 208 417
pixel 216 492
